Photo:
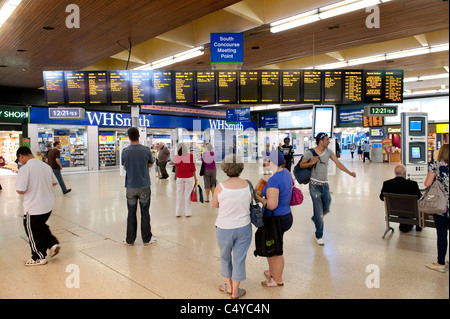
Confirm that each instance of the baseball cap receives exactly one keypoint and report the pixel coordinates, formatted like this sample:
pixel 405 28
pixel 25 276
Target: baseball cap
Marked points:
pixel 275 156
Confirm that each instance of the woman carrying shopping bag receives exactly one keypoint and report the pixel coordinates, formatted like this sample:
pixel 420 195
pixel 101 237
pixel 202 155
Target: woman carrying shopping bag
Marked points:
pixel 186 179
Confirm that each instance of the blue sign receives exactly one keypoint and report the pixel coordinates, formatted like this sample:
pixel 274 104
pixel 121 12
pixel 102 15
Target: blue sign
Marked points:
pixel 227 48
pixel 238 115
pixel 353 116
pixel 110 119
pixel 269 121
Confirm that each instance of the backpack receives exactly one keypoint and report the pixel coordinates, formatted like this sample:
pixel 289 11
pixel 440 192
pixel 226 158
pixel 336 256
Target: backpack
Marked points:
pixel 303 175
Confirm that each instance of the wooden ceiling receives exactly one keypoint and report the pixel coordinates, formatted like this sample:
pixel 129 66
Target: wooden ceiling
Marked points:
pixel 162 28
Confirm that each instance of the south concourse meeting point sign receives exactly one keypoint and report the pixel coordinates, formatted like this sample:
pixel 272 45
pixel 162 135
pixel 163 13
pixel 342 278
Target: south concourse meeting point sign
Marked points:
pixel 227 48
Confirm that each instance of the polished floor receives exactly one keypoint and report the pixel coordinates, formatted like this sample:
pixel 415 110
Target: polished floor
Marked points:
pixel 90 222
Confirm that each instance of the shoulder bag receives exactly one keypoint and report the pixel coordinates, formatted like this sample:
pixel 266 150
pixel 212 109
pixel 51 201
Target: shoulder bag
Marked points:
pixel 269 238
pixel 256 214
pixel 435 199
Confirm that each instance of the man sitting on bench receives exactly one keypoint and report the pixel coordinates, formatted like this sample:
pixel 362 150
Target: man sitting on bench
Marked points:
pixel 401 185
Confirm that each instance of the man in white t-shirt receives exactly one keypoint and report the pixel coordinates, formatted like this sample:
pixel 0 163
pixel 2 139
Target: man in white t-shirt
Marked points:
pixel 35 182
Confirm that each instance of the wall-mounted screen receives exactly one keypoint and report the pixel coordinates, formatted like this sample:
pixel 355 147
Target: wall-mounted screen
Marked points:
pixel 227 87
pixel 270 87
pixel 415 126
pixel 323 120
pixel 141 87
pixel 184 87
pixel 332 87
pixel 291 86
pixel 76 87
pixel 295 119
pixel 206 87
pixel 162 87
pixel 248 87
pixel 312 86
pixel 54 87
pixel 119 84
pixel 97 87
pixel 415 152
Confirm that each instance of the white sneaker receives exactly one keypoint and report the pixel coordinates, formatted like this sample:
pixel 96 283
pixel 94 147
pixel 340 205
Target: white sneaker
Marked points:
pixel 55 250
pixel 320 241
pixel 37 262
pixel 152 241
pixel 440 268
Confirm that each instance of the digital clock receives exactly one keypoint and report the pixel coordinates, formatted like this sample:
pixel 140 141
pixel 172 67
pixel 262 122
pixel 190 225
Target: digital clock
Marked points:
pixel 381 110
pixel 66 113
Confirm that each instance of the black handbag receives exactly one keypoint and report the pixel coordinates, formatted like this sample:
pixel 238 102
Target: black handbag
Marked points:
pixel 256 214
pixel 269 239
pixel 202 169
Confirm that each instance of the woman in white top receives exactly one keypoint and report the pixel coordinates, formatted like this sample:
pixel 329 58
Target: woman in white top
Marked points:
pixel 233 225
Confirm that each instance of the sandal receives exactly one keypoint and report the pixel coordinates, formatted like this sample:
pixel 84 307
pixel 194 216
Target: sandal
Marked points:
pixel 224 289
pixel 271 283
pixel 241 293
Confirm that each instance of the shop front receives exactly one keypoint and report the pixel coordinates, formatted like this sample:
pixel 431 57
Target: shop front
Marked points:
pixel 100 134
pixel 13 128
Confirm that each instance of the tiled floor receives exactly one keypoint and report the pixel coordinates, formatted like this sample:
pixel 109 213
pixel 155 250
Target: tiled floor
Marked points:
pixel 90 223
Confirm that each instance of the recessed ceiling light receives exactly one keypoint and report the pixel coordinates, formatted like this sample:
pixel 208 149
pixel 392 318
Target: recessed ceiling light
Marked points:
pixel 48 28
pixel 255 48
pixel 3 66
pixel 21 50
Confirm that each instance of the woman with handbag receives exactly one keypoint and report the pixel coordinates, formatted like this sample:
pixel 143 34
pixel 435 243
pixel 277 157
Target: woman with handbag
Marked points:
pixel 439 170
pixel 186 179
pixel 233 228
pixel 210 173
pixel 277 193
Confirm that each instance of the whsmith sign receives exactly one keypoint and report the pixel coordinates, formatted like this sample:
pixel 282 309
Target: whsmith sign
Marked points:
pixel 110 119
pixel 12 114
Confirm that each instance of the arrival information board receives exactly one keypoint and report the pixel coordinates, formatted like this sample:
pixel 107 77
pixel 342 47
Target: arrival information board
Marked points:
pixel 97 88
pixel 291 86
pixel 209 87
pixel 227 87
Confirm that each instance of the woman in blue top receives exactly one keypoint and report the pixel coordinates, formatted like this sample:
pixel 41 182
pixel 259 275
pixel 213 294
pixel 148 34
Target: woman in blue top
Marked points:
pixel 277 193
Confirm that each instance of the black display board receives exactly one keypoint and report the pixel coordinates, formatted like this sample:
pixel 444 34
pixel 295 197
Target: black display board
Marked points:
pixel 209 87
pixel 119 85
pixel 249 87
pixel 312 86
pixel 227 87
pixel 76 87
pixel 98 91
pixel 162 87
pixel 291 81
pixel 206 87
pixel 141 85
pixel 54 87
pixel 332 87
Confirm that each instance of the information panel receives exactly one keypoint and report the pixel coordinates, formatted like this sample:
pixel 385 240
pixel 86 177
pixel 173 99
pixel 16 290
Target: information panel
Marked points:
pixel 206 87
pixel 270 87
pixel 333 87
pixel 97 87
pixel 54 87
pixel 393 89
pixel 291 86
pixel 373 86
pixel 312 86
pixel 119 83
pixel 140 87
pixel 163 87
pixel 248 87
pixel 76 87
pixel 353 86
pixel 184 87
pixel 227 87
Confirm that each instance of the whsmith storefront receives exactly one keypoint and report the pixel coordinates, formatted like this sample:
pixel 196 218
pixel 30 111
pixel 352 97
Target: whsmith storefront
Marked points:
pixel 92 142
pixel 13 127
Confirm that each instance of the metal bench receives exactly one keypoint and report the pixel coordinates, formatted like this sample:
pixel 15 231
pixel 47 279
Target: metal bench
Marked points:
pixel 401 209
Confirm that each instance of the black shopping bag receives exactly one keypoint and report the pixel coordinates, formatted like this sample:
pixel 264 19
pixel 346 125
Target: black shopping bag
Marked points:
pixel 268 238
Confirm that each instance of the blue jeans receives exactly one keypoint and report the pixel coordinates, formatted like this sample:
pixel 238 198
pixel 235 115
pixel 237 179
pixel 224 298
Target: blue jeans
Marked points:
pixel 321 198
pixel 143 196
pixel 441 223
pixel 237 241
pixel 58 175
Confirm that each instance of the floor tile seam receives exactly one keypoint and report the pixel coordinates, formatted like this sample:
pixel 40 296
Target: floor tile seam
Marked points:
pixel 119 273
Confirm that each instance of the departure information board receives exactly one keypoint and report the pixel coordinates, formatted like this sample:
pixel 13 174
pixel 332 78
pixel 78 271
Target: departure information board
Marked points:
pixel 270 86
pixel 97 87
pixel 54 87
pixel 206 87
pixel 332 89
pixel 76 87
pixel 184 87
pixel 227 85
pixel 393 87
pixel 373 86
pixel 209 87
pixel 248 87
pixel 312 86
pixel 353 86
pixel 140 87
pixel 119 84
pixel 162 87
pixel 291 86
